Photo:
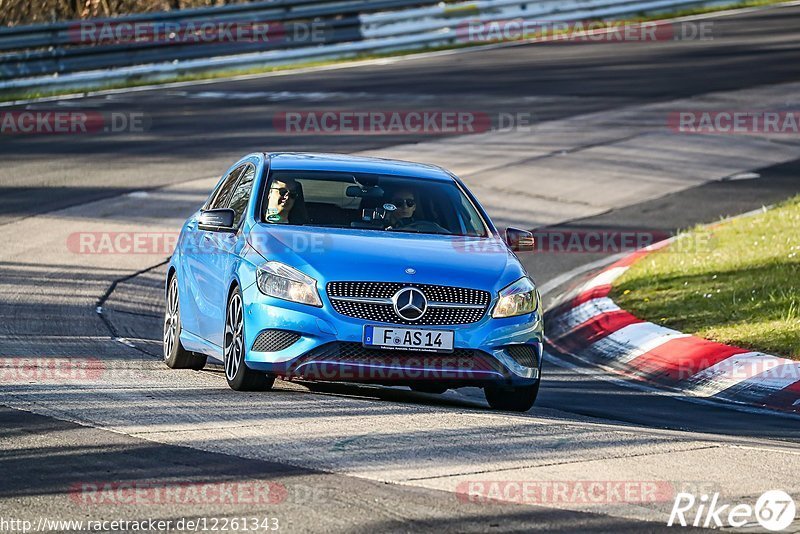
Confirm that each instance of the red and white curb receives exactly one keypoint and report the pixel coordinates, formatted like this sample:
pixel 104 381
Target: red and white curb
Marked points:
pixel 587 324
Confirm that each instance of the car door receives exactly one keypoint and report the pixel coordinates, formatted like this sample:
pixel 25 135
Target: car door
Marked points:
pixel 226 246
pixel 204 268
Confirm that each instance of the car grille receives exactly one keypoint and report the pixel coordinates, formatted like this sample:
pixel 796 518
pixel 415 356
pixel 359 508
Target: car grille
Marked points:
pixel 355 354
pixel 275 340
pixel 525 355
pixel 447 305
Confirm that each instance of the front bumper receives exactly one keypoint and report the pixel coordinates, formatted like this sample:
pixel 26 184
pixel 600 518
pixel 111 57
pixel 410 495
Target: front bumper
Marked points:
pixel 327 346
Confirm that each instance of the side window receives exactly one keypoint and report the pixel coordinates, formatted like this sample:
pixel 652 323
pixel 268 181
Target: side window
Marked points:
pixel 241 194
pixel 219 198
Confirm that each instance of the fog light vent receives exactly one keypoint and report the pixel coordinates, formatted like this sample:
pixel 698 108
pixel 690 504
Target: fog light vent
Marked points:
pixel 275 340
pixel 525 355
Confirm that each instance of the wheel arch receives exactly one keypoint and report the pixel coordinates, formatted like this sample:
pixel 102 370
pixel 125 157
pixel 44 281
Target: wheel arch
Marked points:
pixel 172 271
pixel 232 286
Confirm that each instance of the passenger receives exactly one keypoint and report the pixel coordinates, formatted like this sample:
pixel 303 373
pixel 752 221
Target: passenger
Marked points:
pixel 281 200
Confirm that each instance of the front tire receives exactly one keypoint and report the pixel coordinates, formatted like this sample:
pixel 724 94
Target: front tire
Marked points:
pixel 519 399
pixel 175 356
pixel 238 375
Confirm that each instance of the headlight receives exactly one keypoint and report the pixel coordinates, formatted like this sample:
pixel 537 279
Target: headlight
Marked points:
pixel 519 298
pixel 283 282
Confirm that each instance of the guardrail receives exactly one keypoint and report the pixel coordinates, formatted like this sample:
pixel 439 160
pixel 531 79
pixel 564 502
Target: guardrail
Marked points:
pixel 280 32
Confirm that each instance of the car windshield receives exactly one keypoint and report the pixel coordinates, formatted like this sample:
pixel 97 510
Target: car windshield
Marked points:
pixel 369 202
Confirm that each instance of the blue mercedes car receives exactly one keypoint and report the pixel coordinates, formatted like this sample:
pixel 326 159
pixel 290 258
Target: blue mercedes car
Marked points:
pixel 325 267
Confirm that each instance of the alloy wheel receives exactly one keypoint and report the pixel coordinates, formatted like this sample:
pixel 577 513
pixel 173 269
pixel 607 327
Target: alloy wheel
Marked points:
pixel 171 319
pixel 234 339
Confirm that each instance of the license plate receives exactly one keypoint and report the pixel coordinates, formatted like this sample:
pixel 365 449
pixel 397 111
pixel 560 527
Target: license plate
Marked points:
pixel 390 337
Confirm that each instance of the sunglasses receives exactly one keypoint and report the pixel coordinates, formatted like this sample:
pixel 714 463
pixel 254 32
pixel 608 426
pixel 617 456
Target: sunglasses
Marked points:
pixel 282 191
pixel 409 202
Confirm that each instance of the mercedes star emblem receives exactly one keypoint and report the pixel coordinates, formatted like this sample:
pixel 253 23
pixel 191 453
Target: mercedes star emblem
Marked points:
pixel 410 303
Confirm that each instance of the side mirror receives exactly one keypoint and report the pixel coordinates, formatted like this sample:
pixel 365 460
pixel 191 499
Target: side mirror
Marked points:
pixel 519 240
pixel 219 220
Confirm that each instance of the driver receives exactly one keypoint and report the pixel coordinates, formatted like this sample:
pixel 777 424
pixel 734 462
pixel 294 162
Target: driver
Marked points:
pixel 406 205
pixel 280 200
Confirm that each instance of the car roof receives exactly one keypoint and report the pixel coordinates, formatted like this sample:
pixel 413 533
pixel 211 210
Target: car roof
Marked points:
pixel 306 161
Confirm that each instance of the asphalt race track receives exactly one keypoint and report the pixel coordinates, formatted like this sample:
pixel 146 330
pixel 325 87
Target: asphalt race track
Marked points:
pixel 199 128
pixel 357 458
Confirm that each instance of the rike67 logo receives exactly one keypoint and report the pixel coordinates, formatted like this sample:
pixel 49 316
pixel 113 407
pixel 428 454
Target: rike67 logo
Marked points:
pixel 774 510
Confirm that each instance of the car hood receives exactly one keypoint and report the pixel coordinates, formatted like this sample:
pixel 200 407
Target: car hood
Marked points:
pixel 367 255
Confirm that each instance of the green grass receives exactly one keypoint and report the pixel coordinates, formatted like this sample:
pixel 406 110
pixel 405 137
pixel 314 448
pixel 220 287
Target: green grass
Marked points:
pixel 737 283
pixel 227 73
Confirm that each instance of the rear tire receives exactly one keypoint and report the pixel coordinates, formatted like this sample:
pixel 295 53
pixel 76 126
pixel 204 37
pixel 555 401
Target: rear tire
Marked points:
pixel 519 399
pixel 238 375
pixel 175 356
